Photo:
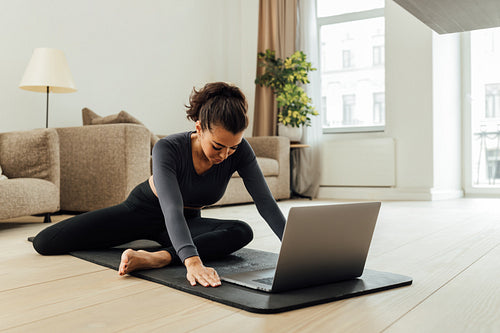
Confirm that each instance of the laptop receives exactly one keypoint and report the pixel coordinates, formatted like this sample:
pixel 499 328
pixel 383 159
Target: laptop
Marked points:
pixel 321 244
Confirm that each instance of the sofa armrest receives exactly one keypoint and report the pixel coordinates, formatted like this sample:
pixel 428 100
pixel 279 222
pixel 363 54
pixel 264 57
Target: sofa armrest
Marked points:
pixel 278 148
pixel 31 154
pixel 101 164
pixel 275 147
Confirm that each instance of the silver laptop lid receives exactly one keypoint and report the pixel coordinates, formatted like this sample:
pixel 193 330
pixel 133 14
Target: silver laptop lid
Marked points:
pixel 323 244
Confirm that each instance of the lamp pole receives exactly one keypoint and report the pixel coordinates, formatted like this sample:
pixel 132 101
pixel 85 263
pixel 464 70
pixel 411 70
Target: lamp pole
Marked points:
pixel 47 110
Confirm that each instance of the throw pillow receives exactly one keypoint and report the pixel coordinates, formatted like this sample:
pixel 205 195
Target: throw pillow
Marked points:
pixel 2 177
pixel 89 117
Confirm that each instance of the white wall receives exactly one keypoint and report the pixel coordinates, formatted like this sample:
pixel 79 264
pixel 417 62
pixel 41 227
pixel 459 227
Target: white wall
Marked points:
pixel 140 56
pixel 409 96
pixel 447 118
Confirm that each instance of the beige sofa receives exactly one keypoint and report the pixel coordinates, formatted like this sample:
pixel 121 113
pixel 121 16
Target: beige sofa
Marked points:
pixel 30 161
pixel 101 164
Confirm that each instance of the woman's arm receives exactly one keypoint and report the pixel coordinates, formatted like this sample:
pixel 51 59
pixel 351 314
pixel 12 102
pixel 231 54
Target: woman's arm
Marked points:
pixel 170 198
pixel 256 185
pixel 172 207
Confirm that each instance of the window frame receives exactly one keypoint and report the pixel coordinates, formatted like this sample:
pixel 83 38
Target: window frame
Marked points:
pixel 343 18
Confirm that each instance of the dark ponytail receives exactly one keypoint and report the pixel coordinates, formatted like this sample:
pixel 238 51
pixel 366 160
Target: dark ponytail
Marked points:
pixel 219 104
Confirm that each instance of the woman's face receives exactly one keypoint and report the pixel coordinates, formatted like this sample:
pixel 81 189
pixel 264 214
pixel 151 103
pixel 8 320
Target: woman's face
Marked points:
pixel 218 143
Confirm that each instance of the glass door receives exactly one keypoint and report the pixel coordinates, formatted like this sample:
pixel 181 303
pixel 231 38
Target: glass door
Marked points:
pixel 482 121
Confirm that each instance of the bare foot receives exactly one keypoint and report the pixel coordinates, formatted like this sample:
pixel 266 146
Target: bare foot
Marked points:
pixel 133 260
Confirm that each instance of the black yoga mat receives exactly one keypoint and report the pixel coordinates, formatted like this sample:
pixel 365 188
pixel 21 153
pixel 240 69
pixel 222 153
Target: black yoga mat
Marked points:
pixel 248 299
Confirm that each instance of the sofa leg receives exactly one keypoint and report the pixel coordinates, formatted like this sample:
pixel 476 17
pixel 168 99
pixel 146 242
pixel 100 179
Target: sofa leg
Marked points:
pixel 46 218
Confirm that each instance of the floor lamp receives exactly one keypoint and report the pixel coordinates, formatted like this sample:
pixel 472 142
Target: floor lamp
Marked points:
pixel 48 71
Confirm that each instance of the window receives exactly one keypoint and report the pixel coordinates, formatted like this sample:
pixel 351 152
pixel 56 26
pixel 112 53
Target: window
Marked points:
pixel 346 59
pixel 378 55
pixel 378 108
pixel 348 108
pixel 492 100
pixel 484 98
pixel 352 39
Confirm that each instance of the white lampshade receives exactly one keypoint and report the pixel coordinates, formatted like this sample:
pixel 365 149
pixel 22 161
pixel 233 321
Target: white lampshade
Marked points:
pixel 48 68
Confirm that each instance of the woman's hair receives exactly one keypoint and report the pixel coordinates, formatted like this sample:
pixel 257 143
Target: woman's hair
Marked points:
pixel 219 104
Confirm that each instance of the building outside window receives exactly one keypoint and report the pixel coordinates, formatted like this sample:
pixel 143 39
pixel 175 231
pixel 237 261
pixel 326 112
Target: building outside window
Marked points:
pixel 352 39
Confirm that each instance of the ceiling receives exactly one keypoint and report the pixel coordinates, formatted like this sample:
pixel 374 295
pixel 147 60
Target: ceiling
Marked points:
pixel 448 16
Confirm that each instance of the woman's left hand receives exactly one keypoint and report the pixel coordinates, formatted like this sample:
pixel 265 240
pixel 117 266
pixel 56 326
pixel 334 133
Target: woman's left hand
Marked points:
pixel 197 272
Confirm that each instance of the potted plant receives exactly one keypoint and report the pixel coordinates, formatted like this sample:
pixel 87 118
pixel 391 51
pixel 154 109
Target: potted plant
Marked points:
pixel 285 78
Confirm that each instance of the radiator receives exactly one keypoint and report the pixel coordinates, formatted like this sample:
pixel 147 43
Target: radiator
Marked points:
pixel 361 162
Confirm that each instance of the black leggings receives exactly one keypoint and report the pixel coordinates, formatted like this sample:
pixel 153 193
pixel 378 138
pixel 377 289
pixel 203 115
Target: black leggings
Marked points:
pixel 140 217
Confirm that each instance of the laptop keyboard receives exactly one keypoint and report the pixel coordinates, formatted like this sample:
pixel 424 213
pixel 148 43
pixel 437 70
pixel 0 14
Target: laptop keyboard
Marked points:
pixel 268 281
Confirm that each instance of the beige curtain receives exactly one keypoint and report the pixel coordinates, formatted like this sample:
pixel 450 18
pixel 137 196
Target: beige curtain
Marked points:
pixel 307 162
pixel 277 31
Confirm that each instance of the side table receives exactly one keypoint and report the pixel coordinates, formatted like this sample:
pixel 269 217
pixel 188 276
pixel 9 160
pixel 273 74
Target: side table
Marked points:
pixel 295 147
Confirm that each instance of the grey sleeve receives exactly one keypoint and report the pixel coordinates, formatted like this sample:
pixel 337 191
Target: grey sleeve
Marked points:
pixel 266 205
pixel 169 195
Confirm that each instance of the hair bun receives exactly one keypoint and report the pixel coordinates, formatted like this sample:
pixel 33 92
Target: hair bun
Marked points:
pixel 219 103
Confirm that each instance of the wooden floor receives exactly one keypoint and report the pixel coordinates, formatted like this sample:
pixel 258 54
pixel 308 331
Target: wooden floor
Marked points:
pixel 450 248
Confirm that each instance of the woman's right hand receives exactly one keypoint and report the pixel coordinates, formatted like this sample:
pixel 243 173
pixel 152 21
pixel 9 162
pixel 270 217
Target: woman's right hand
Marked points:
pixel 197 272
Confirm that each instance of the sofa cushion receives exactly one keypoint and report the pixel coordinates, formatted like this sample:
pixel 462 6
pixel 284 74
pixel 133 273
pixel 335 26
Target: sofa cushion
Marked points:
pixel 89 117
pixel 31 154
pixel 101 164
pixel 269 167
pixel 27 196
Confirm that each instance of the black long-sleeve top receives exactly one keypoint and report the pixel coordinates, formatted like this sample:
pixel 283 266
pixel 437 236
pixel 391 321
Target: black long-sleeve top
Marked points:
pixel 178 185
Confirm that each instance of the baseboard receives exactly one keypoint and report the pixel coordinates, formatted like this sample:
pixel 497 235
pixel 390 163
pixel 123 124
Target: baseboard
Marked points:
pixel 387 193
pixel 446 194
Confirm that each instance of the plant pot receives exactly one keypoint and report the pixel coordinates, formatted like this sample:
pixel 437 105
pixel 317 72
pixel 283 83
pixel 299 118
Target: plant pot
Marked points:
pixel 293 133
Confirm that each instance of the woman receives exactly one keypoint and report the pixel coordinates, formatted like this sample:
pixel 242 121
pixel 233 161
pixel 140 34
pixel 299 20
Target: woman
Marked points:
pixel 190 170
